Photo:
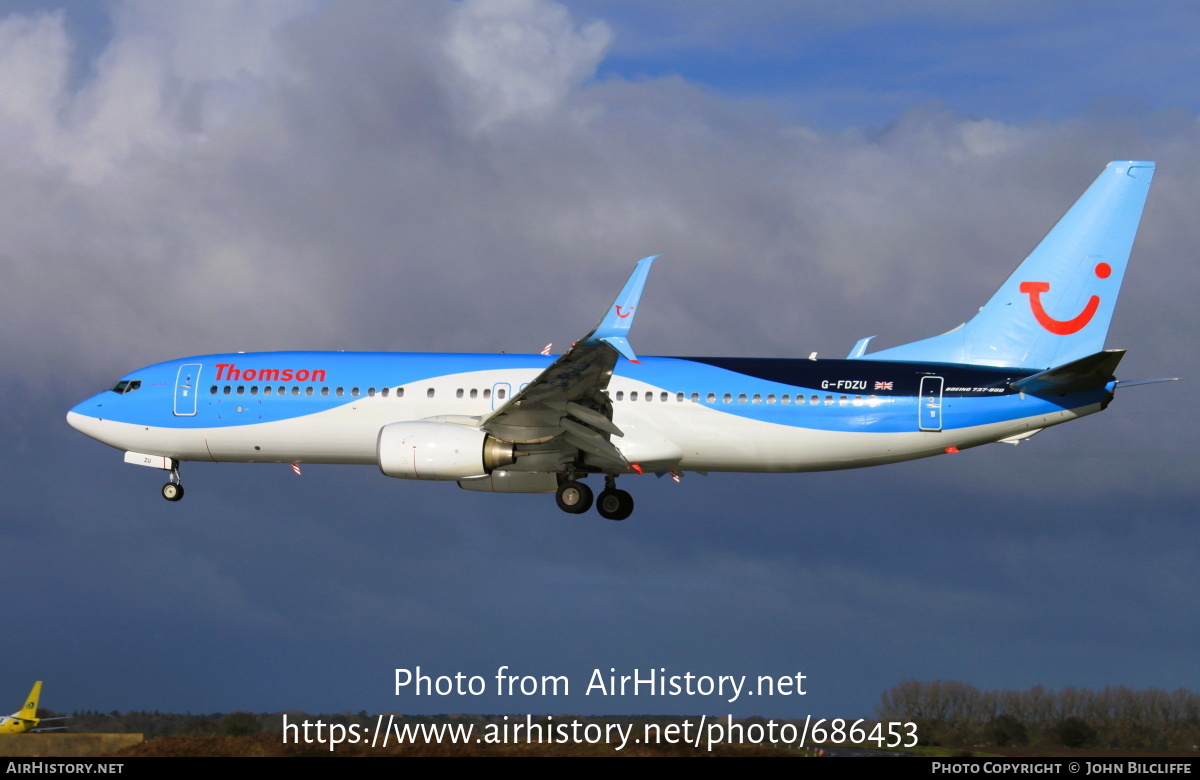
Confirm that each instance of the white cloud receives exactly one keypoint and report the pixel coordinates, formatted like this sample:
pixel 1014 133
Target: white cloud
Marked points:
pixel 519 58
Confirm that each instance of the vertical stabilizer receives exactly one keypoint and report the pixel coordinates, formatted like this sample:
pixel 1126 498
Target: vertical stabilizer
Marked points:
pixel 29 710
pixel 1057 306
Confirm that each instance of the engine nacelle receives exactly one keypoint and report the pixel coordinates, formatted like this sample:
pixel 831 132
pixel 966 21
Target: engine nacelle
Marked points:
pixel 439 450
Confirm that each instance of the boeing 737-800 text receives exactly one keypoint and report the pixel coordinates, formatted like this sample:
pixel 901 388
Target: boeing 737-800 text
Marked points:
pixel 1031 358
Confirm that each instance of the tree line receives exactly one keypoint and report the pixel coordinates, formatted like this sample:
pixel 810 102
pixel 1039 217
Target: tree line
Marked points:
pixel 948 712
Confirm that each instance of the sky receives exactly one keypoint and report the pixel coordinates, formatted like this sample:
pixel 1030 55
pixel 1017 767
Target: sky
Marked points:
pixel 187 179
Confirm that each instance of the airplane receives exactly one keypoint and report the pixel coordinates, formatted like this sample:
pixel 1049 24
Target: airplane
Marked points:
pixel 26 719
pixel 1032 357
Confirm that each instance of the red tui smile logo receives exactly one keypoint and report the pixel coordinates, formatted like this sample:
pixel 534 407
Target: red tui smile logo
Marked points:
pixel 1063 327
pixel 626 314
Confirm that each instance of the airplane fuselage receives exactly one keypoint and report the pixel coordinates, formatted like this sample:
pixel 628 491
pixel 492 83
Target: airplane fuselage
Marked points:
pixel 682 414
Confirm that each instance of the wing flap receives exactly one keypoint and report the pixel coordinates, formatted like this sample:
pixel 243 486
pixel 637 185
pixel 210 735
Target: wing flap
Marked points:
pixel 573 386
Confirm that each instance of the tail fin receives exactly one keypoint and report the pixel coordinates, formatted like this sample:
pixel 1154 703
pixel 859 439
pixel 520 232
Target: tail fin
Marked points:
pixel 29 710
pixel 1057 305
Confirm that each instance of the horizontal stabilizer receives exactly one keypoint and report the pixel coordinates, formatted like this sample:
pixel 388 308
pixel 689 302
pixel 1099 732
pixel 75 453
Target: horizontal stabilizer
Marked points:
pixel 1136 382
pixel 1020 437
pixel 1089 373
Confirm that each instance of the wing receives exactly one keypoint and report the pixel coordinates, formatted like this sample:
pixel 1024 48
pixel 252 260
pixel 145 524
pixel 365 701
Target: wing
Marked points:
pixel 567 399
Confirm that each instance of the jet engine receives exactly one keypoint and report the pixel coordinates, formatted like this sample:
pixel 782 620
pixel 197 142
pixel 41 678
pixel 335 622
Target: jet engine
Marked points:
pixel 439 450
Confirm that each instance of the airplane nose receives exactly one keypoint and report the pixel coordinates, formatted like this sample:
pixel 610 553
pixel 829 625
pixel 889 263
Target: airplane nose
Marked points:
pixel 85 416
pixel 75 420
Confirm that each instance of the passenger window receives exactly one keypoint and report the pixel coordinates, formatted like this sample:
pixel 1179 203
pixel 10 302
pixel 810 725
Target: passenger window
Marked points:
pixel 253 389
pixel 695 398
pixel 267 390
pixel 858 400
pixel 241 390
pixel 487 392
pixel 458 393
pixel 324 391
pixel 829 400
pixel 843 400
pixel 786 399
pixel 620 395
pixel 814 399
pixel 633 395
pixel 663 397
pixel 370 392
pixel 429 393
pixel 727 398
pixel 308 390
pixel 228 389
pixel 340 391
pixel 384 392
pixel 212 390
pixel 712 398
pixel 741 398
pixel 649 396
pixel 295 390
pixel 757 399
pixel 474 392
pixel 354 392
pixel 500 393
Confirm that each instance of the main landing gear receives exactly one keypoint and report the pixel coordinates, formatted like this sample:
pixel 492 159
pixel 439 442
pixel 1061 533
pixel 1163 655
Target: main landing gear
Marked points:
pixel 173 490
pixel 575 498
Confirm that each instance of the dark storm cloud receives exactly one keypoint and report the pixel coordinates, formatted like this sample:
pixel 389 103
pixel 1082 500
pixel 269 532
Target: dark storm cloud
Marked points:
pixel 455 177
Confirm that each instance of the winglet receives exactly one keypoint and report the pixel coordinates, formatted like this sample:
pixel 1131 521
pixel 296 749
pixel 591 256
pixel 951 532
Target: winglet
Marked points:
pixel 619 319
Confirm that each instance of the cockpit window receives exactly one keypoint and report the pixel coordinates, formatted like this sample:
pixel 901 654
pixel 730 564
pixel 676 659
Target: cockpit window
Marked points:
pixel 126 386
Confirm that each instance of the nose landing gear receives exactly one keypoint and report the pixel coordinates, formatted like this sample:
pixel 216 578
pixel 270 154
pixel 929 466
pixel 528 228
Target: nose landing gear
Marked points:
pixel 173 490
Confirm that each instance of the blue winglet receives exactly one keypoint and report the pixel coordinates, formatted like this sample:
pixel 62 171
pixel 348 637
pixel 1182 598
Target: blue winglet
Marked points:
pixel 619 319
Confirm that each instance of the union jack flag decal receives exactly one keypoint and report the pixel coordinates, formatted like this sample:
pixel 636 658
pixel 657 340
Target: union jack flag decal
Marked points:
pixel 883 385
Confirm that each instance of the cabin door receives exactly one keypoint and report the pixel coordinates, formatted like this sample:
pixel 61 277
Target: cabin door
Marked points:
pixel 187 382
pixel 930 406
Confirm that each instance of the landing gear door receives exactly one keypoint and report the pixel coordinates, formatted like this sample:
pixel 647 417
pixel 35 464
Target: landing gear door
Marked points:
pixel 930 405
pixel 187 382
